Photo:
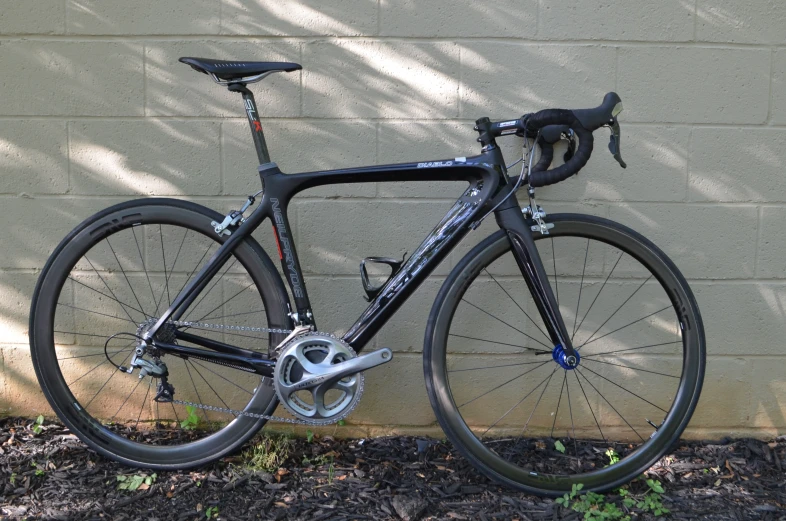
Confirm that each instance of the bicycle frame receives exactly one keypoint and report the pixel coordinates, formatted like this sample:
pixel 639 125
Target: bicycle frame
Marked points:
pixel 488 185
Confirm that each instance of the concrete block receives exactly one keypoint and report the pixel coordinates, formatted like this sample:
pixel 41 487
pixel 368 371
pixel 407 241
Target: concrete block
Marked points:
pixel 462 18
pixel 67 78
pixel 149 17
pixel 506 80
pixel 670 21
pixel 157 157
pixel 736 314
pixel 22 391
pixel 736 165
pixel 175 89
pixel 694 85
pixel 395 394
pixel 262 17
pixel 16 290
pixel 778 111
pixel 40 225
pixel 727 21
pixel 337 303
pixel 675 229
pixel 768 405
pixel 726 394
pixel 299 146
pixel 334 236
pixel 34 17
pixel 369 79
pixel 771 256
pixel 34 157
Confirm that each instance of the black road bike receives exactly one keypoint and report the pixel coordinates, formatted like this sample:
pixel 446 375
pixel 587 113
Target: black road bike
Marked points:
pixel 163 335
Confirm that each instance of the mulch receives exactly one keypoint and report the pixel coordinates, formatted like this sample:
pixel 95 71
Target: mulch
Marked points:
pixel 52 475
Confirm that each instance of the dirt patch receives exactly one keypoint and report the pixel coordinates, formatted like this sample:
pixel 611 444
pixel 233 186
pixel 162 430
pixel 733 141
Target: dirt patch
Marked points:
pixel 52 475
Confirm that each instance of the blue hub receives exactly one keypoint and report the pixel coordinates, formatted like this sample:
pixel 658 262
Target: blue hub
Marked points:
pixel 561 357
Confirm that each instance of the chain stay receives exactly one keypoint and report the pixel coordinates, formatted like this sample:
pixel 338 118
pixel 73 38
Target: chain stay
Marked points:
pixel 268 417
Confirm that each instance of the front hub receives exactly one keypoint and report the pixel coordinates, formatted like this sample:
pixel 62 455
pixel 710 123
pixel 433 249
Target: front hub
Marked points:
pixel 563 359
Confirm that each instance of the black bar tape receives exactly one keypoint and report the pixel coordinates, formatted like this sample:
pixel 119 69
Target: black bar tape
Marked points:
pixel 561 117
pixel 546 155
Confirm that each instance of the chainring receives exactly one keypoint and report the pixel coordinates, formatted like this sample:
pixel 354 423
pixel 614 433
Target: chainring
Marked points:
pixel 308 356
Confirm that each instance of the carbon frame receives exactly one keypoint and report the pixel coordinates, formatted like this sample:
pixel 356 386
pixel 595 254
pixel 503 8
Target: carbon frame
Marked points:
pixel 489 188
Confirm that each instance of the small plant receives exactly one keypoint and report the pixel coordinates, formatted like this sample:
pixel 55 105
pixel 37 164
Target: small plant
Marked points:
pixel 12 479
pixel 38 424
pixel 39 471
pixel 192 420
pixel 559 446
pixel 331 472
pixel 341 423
pixel 309 436
pixel 613 456
pixel 211 512
pixel 592 505
pixel 269 454
pixel 135 482
pixel 652 501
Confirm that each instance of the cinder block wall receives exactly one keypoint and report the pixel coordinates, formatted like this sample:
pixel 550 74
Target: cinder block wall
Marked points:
pixel 95 109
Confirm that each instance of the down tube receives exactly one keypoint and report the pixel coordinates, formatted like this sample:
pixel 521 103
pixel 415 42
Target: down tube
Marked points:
pixel 450 230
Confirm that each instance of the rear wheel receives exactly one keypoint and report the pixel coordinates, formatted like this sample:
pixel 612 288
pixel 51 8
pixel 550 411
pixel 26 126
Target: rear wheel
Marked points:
pixel 514 411
pixel 104 285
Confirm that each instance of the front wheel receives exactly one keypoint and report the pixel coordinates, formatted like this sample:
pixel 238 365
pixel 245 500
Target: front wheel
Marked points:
pixel 526 421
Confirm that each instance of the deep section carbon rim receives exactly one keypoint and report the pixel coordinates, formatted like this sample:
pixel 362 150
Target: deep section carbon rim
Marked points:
pixel 522 417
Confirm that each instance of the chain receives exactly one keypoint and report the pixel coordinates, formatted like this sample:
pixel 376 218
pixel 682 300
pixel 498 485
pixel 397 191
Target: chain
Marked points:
pixel 233 328
pixel 252 329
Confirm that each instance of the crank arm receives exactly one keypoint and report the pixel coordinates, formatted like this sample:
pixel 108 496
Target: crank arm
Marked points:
pixel 340 370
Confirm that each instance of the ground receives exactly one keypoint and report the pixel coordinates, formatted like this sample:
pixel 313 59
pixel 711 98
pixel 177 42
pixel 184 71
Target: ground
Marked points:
pixel 50 474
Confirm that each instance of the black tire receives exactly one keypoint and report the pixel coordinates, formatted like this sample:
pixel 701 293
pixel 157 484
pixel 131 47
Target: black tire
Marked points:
pixel 534 464
pixel 158 444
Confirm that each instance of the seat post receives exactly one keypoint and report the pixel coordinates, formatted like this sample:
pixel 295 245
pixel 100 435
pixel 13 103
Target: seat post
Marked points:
pixel 253 119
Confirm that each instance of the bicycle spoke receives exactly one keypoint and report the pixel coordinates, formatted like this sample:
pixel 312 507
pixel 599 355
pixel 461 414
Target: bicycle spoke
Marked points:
pixel 626 325
pixel 106 382
pixel 599 292
pixel 615 312
pixel 593 355
pixel 163 256
pixel 517 304
pixel 499 343
pixel 502 384
pixel 144 400
pixel 211 387
pixel 147 275
pixel 215 283
pixel 570 410
pixel 608 402
pixel 225 302
pixel 634 368
pixel 97 313
pixel 94 354
pixel 123 305
pixel 590 407
pixel 126 277
pixel 172 268
pixel 556 413
pixel 125 401
pixel 223 377
pixel 112 292
pixel 556 282
pixel 581 286
pixel 517 404
pixel 199 398
pixel 492 367
pixel 538 402
pixel 500 320
pixel 199 263
pixel 627 390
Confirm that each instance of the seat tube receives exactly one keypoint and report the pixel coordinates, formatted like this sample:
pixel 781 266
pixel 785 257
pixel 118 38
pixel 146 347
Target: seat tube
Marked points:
pixel 253 120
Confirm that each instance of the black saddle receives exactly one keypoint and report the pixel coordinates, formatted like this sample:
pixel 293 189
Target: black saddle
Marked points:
pixel 232 70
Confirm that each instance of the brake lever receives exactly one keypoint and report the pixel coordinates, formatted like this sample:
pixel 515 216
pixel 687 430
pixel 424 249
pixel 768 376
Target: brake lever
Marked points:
pixel 614 143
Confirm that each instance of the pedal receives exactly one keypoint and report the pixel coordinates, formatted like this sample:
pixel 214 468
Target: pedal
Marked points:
pixel 373 291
